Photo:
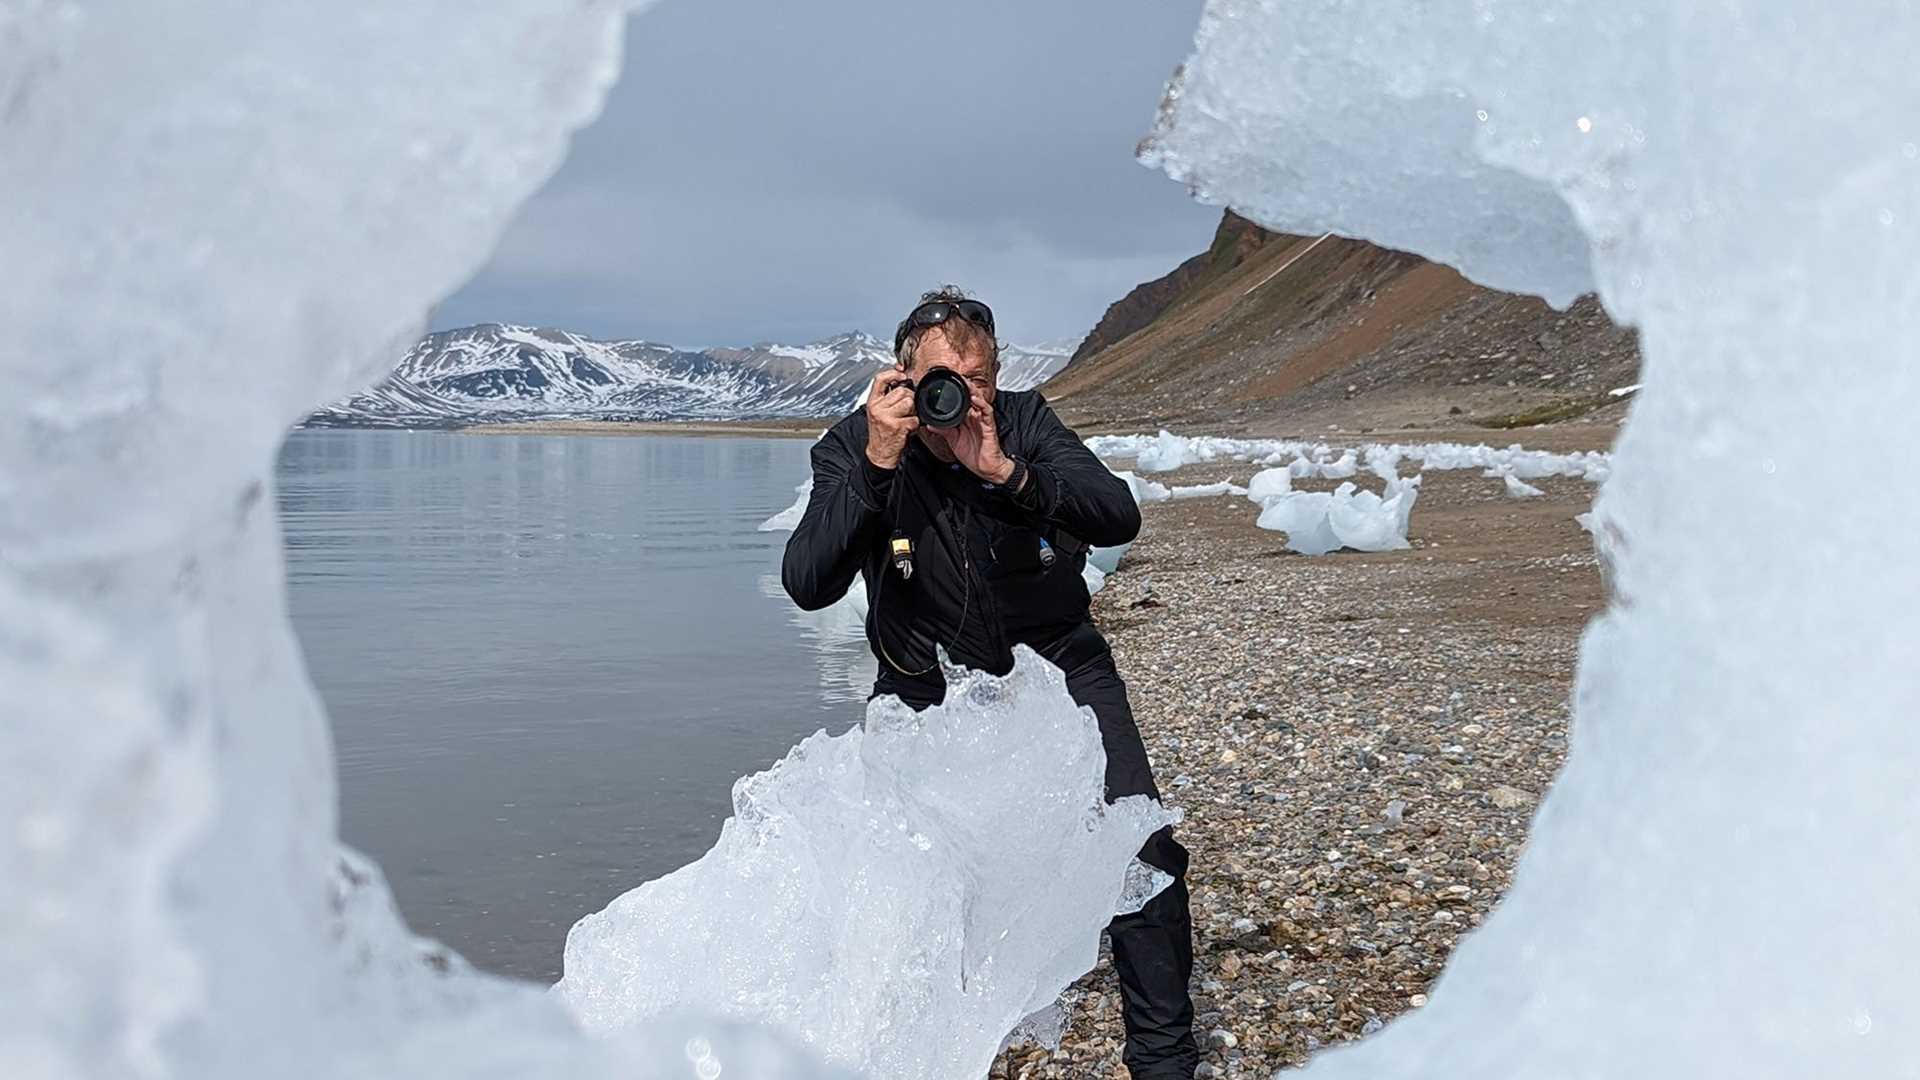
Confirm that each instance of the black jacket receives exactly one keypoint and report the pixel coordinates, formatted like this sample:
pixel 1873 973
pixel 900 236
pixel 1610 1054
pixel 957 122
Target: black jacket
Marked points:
pixel 989 570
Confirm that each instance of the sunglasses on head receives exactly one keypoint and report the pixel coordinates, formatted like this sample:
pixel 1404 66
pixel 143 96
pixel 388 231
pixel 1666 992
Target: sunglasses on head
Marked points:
pixel 935 312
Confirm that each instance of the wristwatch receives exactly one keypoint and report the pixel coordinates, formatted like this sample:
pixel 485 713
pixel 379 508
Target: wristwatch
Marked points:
pixel 1015 478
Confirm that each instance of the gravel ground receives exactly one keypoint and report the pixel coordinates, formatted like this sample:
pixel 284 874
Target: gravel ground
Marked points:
pixel 1358 742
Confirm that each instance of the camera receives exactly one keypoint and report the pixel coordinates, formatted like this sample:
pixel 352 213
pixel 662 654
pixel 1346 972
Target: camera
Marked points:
pixel 942 398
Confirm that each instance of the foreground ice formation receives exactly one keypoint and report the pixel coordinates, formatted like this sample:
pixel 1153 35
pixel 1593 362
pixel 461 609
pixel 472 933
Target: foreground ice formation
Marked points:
pixel 897 897
pixel 219 215
pixel 201 252
pixel 1722 882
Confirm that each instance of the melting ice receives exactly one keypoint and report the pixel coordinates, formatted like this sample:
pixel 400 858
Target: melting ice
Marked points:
pixel 898 896
pixel 1721 883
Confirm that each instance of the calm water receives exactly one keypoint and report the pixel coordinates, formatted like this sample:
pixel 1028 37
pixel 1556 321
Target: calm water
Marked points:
pixel 547 658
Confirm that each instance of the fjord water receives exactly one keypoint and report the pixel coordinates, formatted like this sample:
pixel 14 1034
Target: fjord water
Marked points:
pixel 546 658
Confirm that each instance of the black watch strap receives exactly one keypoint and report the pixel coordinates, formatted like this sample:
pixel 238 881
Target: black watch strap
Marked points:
pixel 1016 478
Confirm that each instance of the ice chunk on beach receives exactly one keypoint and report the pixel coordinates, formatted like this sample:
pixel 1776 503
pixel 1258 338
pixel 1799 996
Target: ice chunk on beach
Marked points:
pixel 1095 577
pixel 1269 484
pixel 1519 488
pixel 1168 452
pixel 898 896
pixel 1307 460
pixel 1365 521
pixel 1302 515
pixel 1102 561
pixel 1144 490
pixel 1317 522
pixel 1206 491
pixel 1722 880
pixel 1340 468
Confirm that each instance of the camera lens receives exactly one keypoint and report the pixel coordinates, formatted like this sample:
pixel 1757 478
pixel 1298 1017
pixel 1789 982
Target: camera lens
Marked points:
pixel 942 398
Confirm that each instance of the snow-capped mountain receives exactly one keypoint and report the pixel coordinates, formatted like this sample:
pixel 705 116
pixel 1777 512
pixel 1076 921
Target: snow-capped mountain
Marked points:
pixel 492 373
pixel 1023 367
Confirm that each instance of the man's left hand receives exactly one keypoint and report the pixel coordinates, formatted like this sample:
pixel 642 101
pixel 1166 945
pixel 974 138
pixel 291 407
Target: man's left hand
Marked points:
pixel 976 445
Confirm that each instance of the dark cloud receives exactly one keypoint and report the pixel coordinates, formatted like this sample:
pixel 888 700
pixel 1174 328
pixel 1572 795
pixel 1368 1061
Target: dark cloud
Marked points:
pixel 768 170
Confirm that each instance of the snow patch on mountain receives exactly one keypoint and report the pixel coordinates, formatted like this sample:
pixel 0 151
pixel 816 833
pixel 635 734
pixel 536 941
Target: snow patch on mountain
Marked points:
pixel 494 373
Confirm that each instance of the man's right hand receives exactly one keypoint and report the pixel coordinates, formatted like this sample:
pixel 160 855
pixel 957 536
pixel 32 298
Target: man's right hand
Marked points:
pixel 890 418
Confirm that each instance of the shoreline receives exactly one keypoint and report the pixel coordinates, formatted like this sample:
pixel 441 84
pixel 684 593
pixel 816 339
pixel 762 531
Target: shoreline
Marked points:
pixel 1559 438
pixel 737 429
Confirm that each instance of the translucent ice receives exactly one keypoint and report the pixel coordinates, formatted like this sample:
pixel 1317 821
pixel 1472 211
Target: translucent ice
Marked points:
pixel 1167 452
pixel 1102 561
pixel 897 897
pixel 1269 484
pixel 789 519
pixel 218 215
pixel 1302 515
pixel 1307 460
pixel 1519 488
pixel 1317 522
pixel 1144 490
pixel 1722 882
pixel 1206 491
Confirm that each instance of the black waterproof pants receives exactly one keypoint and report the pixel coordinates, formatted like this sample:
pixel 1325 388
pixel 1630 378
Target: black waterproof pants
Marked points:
pixel 1153 947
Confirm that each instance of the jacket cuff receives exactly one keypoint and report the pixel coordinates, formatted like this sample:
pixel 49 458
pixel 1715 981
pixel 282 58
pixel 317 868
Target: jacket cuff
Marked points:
pixel 872 484
pixel 1041 494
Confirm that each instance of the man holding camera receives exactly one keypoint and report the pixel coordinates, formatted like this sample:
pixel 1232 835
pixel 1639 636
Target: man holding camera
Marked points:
pixel 968 512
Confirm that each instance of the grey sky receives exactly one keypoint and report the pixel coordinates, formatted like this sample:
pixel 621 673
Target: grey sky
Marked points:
pixel 770 170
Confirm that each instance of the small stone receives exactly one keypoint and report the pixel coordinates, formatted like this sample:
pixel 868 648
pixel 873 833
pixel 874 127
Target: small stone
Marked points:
pixel 1417 1000
pixel 1372 1025
pixel 1509 798
pixel 1228 757
pixel 1221 1039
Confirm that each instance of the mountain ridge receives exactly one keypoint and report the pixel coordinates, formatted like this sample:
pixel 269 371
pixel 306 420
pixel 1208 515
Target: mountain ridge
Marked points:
pixel 501 372
pixel 1276 334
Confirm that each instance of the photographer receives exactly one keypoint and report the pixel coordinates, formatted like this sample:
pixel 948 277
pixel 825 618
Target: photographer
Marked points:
pixel 968 512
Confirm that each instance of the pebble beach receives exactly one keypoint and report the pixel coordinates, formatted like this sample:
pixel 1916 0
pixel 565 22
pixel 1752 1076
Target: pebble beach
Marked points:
pixel 1357 741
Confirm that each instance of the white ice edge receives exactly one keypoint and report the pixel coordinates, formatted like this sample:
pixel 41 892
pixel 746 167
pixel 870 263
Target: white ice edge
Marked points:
pixel 1720 883
pixel 898 896
pixel 206 249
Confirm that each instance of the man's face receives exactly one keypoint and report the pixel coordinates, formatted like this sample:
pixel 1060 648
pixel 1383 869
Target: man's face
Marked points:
pixel 935 351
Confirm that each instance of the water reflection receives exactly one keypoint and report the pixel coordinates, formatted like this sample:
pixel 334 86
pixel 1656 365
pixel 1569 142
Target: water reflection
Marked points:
pixel 839 641
pixel 546 658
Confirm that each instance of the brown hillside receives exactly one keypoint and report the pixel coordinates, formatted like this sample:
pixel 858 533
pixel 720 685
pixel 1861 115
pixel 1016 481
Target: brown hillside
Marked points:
pixel 1277 334
pixel 1234 242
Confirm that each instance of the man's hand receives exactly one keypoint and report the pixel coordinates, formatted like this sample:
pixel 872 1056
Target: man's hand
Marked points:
pixel 890 418
pixel 976 445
